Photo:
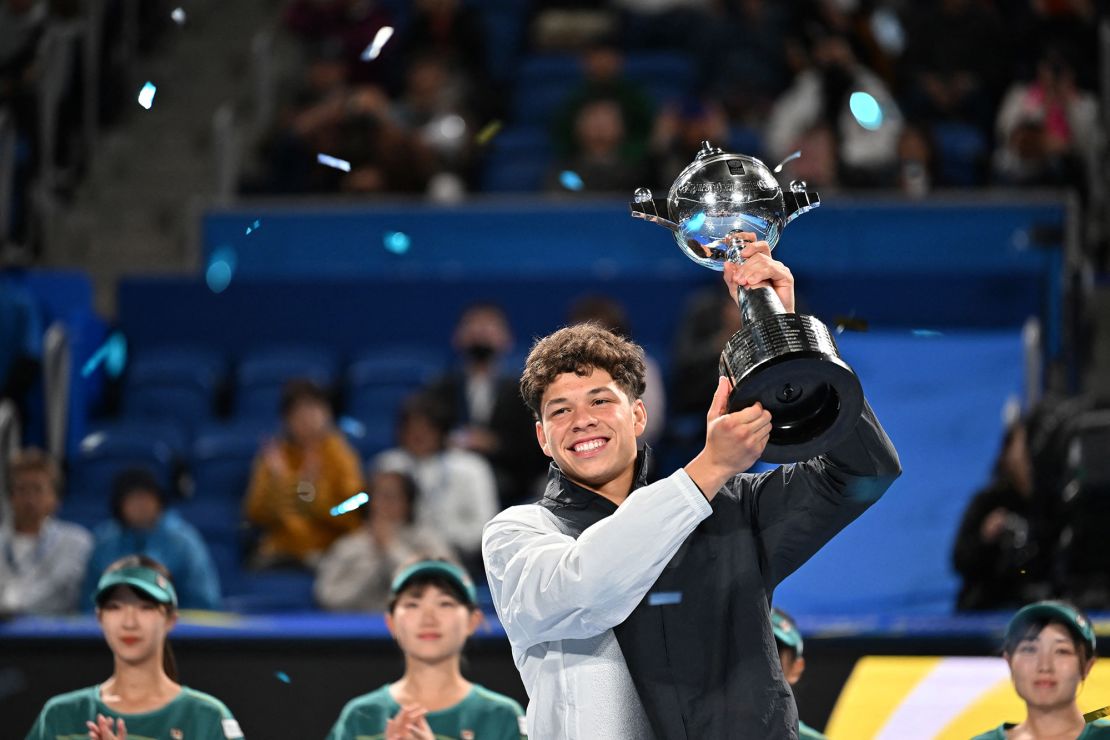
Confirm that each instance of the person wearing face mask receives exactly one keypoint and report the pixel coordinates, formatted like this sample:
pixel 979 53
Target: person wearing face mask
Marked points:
pixel 432 611
pixel 488 416
pixel 136 606
pixel 1050 648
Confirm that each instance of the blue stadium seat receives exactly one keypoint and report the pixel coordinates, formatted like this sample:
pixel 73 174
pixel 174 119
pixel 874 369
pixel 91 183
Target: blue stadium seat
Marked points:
pixel 173 382
pixel 394 364
pixel 265 592
pixel 503 174
pixel 654 68
pixel 262 374
pixel 221 457
pixel 108 450
pixel 369 436
pixel 504 25
pixel 962 150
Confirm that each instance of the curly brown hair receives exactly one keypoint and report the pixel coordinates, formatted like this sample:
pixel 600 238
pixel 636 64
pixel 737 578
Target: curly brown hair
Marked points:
pixel 580 349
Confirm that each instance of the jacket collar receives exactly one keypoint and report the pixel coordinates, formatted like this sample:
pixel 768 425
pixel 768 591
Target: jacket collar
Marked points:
pixel 562 491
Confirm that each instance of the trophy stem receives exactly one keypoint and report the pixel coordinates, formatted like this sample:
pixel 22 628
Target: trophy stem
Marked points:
pixel 757 303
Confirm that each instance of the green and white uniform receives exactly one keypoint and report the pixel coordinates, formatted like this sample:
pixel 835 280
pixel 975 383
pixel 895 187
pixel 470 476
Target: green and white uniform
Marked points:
pixel 482 715
pixel 1097 730
pixel 191 715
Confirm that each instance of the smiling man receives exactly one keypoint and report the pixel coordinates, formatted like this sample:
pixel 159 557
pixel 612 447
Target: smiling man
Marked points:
pixel 640 611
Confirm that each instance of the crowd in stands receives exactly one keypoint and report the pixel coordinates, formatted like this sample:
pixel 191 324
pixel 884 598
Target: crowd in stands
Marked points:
pixel 46 85
pixel 621 93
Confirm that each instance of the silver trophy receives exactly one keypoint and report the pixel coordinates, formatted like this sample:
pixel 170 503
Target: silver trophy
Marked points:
pixel 786 361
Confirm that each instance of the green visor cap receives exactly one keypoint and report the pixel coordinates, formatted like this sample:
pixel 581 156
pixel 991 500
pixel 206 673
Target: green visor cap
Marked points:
pixel 1057 611
pixel 147 580
pixel 785 631
pixel 440 568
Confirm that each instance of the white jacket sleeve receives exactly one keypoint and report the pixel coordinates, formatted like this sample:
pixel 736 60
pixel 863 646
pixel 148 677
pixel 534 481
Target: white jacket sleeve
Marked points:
pixel 546 585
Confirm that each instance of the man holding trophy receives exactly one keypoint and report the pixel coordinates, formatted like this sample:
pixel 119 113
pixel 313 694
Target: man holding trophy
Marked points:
pixel 643 611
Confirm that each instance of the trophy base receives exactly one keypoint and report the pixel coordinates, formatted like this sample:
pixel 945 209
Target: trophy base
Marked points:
pixel 790 364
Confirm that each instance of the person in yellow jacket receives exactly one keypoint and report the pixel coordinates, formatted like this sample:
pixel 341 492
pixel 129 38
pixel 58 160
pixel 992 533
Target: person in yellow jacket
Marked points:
pixel 298 478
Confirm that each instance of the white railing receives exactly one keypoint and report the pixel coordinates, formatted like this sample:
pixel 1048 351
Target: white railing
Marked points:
pixel 57 362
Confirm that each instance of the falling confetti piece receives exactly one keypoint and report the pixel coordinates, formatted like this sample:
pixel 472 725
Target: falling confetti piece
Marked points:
pixel 664 598
pixel 790 158
pixel 283 677
pixel 255 226
pixel 850 323
pixel 339 164
pixel 372 51
pixel 146 95
pixel 359 499
pixel 866 110
pixel 221 268
pixel 397 242
pixel 488 131
pixel 927 333
pixel 352 426
pixel 178 16
pixel 570 180
pixel 112 354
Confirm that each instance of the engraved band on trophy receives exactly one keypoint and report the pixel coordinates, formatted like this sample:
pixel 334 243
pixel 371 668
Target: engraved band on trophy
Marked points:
pixel 788 362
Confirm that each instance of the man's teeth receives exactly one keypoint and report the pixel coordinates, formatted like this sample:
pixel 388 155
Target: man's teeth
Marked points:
pixel 593 444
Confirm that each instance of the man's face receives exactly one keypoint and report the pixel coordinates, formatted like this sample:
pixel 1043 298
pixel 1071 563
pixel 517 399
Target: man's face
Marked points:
pixel 1046 668
pixel 589 427
pixel 485 328
pixel 33 499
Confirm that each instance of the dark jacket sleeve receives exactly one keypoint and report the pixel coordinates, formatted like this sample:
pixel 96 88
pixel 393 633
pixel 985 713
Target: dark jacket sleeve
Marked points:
pixel 973 558
pixel 797 508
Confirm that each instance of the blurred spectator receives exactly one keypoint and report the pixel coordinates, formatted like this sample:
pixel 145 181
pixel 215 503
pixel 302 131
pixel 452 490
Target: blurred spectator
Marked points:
pixel 1047 128
pixel 345 29
pixel 452 32
pixel 664 24
pixel 603 161
pixel 998 550
pixel 43 559
pixel 610 314
pixel 916 164
pixel 141 525
pixel 356 572
pixel 946 73
pixel 487 414
pixel 603 79
pixel 708 321
pixel 679 130
pixel 456 491
pixel 298 478
pixel 866 147
pixel 746 78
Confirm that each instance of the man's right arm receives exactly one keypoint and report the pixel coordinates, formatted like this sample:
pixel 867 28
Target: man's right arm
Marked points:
pixel 546 585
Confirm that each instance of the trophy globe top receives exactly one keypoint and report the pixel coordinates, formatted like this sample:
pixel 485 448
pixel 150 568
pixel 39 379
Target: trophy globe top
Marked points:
pixel 720 193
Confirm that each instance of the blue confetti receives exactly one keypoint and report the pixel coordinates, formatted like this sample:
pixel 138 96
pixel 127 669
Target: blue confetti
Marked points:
pixel 352 426
pixel 283 677
pixel 927 333
pixel 339 164
pixel 375 48
pixel 221 268
pixel 359 499
pixel 570 180
pixel 696 221
pixel 866 110
pixel 664 598
pixel 112 354
pixel 255 226
pixel 178 16
pixel 146 95
pixel 397 242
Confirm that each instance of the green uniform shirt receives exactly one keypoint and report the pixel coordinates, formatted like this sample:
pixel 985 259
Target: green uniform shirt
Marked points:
pixel 482 715
pixel 192 715
pixel 805 732
pixel 1097 730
